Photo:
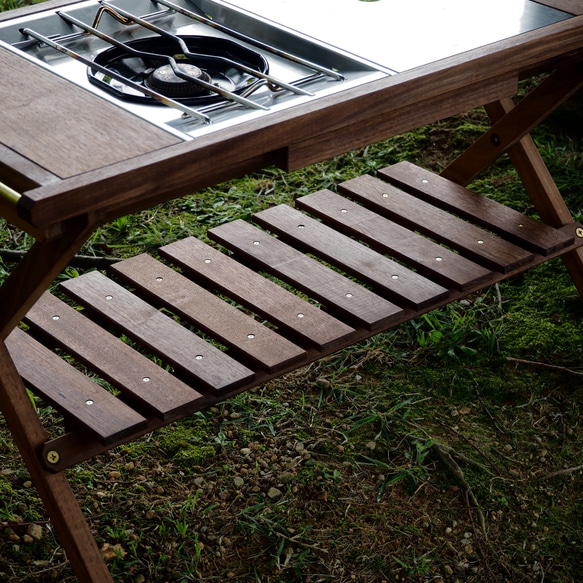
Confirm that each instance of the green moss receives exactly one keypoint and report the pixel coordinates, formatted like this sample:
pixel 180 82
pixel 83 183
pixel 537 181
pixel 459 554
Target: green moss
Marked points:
pixel 5 489
pixel 531 334
pixel 187 443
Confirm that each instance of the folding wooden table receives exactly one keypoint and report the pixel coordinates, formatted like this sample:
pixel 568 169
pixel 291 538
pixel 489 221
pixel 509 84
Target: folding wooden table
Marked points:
pixel 413 240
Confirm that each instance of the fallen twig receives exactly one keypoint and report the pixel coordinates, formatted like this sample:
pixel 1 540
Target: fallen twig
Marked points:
pixel 488 411
pixel 563 472
pixel 444 453
pixel 544 365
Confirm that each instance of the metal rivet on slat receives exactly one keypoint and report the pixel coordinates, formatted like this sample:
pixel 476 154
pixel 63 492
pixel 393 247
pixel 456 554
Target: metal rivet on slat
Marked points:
pixel 394 277
pixel 89 402
pixel 250 336
pixel 159 279
pixel 343 210
pixel 385 195
pixel 255 242
pixel 480 242
pixel 109 297
pixel 207 260
pixel 301 226
pixel 425 181
pixel 439 259
pixel 300 315
pixel 348 295
pixel 146 379
pixel 55 317
pixel 521 225
pixel 198 357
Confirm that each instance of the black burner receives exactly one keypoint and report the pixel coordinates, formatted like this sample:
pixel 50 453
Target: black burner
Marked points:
pixel 155 72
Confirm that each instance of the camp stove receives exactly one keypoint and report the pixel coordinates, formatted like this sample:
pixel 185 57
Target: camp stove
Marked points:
pixel 189 68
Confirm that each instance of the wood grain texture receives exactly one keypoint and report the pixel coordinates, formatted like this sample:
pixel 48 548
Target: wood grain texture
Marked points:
pixel 448 195
pixel 340 295
pixel 403 116
pixel 300 320
pixel 103 133
pixel 174 344
pixel 82 401
pixel 570 6
pixel 400 284
pixel 220 320
pixel 467 239
pixel 427 257
pixel 20 173
pixel 148 386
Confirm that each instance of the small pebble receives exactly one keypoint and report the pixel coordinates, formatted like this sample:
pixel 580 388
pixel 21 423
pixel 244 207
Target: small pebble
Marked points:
pixel 274 493
pixel 35 531
pixel 286 477
pixel 238 482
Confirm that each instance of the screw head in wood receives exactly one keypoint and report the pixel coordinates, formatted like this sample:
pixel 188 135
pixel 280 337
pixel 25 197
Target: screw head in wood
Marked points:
pixel 579 232
pixel 53 456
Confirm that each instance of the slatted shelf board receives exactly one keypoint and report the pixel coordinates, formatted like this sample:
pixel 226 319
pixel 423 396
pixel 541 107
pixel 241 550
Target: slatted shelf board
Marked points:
pixel 195 326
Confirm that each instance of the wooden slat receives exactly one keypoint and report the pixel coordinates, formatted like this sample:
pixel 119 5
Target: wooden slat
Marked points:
pixel 70 391
pixel 508 223
pixel 213 369
pixel 298 318
pixel 352 302
pixel 399 283
pixel 430 259
pixel 233 328
pixel 139 379
pixel 469 240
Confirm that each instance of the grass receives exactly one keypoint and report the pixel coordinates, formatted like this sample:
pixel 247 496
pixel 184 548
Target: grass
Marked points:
pixel 340 471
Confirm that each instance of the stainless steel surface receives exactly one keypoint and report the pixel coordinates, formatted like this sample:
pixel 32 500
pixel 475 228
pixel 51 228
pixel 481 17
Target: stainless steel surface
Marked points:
pixel 403 34
pixel 344 70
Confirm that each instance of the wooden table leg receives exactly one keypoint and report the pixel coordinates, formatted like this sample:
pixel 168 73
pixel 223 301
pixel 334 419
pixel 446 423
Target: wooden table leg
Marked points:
pixel 38 269
pixel 541 188
pixel 509 134
pixel 515 123
pixel 54 489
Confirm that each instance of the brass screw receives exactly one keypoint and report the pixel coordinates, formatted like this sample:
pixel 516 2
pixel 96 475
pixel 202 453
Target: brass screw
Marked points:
pixel 579 232
pixel 53 456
